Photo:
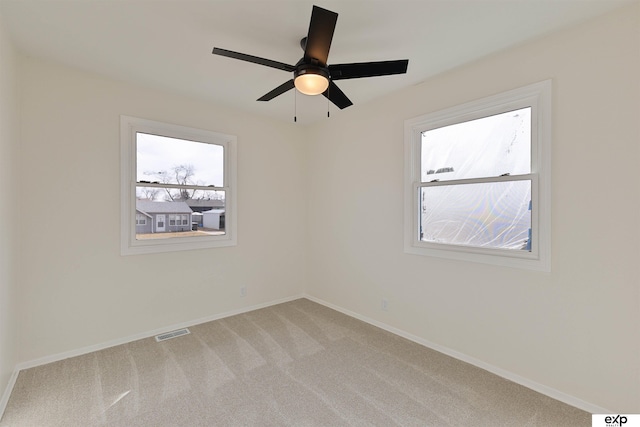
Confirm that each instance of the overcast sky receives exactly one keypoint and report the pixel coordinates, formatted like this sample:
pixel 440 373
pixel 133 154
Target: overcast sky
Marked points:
pixel 159 153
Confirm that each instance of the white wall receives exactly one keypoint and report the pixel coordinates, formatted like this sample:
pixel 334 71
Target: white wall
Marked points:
pixel 76 289
pixel 9 215
pixel 576 330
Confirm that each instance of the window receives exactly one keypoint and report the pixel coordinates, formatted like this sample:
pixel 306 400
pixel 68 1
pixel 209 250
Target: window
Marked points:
pixel 178 220
pixel 168 172
pixel 141 219
pixel 477 180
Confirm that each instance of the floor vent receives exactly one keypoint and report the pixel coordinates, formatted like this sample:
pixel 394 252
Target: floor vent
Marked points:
pixel 172 334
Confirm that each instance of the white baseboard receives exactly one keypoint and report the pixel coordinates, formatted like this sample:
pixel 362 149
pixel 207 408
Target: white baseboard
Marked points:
pixel 540 388
pixel 143 335
pixel 7 392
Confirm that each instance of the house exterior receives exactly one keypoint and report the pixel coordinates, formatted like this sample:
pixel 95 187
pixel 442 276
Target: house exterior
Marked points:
pixel 162 217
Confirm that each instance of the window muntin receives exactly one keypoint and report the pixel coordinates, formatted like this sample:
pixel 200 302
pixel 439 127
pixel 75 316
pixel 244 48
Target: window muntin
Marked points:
pixel 477 180
pixel 169 173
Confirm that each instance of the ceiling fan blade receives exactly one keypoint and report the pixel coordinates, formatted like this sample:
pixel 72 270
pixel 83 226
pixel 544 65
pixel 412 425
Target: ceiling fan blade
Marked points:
pixel 321 27
pixel 277 91
pixel 335 95
pixel 367 69
pixel 254 59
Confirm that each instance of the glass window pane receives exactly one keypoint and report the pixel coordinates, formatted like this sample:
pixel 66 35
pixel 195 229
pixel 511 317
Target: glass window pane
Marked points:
pixel 486 147
pixel 491 215
pixel 170 217
pixel 166 160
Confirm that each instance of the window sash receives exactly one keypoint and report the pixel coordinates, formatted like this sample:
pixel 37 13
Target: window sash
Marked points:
pixel 470 149
pixel 530 254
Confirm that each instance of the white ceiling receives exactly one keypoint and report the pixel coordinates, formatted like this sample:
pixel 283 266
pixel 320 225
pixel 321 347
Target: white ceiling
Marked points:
pixel 167 43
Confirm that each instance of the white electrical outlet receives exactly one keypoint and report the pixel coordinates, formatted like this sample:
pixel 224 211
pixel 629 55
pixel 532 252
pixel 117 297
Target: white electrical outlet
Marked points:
pixel 384 305
pixel 243 291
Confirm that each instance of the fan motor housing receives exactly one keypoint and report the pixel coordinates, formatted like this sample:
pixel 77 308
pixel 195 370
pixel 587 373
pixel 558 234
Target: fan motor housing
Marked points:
pixel 302 69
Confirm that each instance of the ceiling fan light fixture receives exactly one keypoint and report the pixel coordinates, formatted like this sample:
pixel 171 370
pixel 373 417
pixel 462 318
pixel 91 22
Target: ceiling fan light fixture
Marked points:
pixel 311 80
pixel 312 75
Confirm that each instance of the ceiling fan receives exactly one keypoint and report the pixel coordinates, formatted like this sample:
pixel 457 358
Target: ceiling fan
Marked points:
pixel 312 75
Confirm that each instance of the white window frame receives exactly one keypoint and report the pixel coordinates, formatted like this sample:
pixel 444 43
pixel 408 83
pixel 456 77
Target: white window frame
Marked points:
pixel 538 97
pixel 129 127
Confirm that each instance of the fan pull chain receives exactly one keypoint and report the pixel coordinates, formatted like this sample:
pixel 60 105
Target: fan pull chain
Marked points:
pixel 328 105
pixel 295 105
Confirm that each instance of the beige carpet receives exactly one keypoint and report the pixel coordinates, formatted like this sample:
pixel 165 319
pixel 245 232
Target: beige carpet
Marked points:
pixel 293 364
